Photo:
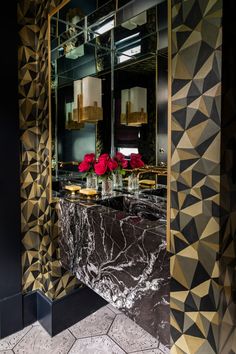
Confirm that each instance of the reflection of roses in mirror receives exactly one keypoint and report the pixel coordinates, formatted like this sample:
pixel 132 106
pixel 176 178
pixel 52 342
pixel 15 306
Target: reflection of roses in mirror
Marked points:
pixel 122 163
pixel 87 165
pixel 89 158
pixel 105 165
pixel 136 161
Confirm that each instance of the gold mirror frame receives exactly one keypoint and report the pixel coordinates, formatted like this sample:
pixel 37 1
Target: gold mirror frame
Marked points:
pixel 52 13
pixel 168 214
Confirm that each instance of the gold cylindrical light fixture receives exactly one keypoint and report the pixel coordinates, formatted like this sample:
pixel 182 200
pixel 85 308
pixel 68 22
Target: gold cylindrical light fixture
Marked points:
pixel 72 124
pixel 134 106
pixel 125 106
pixel 88 100
pixel 91 105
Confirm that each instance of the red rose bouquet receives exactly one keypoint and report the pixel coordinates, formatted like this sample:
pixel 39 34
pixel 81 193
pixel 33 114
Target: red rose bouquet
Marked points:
pixel 87 165
pixel 121 162
pixel 105 165
pixel 136 161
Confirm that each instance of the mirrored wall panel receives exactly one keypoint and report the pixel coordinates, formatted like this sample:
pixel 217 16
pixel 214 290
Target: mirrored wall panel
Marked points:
pixel 108 85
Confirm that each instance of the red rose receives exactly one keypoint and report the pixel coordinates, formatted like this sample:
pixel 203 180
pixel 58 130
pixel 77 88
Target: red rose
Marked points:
pixel 100 168
pixel 84 166
pixel 104 157
pixel 136 161
pixel 119 156
pixel 135 156
pixel 124 163
pixel 139 163
pixel 112 165
pixel 89 158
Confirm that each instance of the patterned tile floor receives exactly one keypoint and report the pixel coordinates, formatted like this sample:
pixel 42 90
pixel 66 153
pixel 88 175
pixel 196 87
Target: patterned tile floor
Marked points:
pixel 106 331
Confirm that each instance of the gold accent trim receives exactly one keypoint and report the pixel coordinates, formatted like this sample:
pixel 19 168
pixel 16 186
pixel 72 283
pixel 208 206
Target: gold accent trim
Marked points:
pixel 80 106
pixel 133 119
pixel 91 114
pixel 137 118
pixel 53 12
pixel 71 125
pixel 63 163
pixel 123 119
pixel 168 215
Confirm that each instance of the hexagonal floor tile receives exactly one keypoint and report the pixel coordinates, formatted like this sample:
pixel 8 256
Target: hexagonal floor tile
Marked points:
pixel 96 345
pixel 6 352
pixel 38 341
pixel 114 309
pixel 36 323
pixel 10 341
pixel 130 336
pixel 96 324
pixel 152 351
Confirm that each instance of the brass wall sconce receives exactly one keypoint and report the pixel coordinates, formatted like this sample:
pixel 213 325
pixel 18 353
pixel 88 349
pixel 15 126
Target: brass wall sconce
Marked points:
pixel 88 100
pixel 134 106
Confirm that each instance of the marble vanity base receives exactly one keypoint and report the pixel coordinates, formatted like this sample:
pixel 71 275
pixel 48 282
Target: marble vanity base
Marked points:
pixel 121 257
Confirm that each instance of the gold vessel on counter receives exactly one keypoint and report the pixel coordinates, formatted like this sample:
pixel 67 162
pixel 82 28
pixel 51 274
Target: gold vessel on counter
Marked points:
pixel 72 189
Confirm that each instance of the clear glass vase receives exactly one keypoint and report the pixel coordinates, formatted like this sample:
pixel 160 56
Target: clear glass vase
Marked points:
pixel 133 182
pixel 92 182
pixel 117 181
pixel 107 186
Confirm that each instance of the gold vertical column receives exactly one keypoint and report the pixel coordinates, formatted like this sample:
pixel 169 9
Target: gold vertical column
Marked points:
pixel 168 225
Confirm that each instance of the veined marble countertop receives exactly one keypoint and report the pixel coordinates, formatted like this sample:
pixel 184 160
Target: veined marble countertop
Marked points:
pixel 118 249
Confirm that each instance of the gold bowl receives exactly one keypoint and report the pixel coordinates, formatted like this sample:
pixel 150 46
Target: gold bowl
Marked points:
pixel 72 188
pixel 88 193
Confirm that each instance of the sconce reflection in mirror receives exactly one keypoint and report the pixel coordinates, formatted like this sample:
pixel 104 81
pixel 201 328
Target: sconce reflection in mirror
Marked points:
pixel 70 123
pixel 72 49
pixel 134 106
pixel 139 20
pixel 87 100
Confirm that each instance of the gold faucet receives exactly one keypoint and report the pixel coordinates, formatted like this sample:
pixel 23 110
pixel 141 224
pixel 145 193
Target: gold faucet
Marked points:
pixel 148 169
pixel 156 170
pixel 64 163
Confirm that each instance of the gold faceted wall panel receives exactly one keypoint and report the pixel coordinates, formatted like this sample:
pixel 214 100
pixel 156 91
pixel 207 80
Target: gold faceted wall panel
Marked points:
pixel 41 259
pixel 195 175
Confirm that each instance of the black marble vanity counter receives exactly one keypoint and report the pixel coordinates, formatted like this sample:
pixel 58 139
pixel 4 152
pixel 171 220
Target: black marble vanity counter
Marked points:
pixel 118 248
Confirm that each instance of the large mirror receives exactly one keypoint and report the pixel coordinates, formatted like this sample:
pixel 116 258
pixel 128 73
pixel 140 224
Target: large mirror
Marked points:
pixel 112 60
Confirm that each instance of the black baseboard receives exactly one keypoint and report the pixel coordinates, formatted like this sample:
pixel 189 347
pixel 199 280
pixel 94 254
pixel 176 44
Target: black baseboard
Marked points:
pixel 55 316
pixel 10 315
pixel 30 308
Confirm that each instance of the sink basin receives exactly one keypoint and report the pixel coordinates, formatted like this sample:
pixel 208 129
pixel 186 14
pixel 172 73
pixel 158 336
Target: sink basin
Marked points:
pixel 134 206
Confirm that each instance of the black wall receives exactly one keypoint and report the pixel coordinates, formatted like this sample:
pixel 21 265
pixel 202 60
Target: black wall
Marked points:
pixel 10 236
pixel 228 182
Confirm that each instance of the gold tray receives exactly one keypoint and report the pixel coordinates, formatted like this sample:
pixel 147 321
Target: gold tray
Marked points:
pixel 88 194
pixel 148 182
pixel 72 188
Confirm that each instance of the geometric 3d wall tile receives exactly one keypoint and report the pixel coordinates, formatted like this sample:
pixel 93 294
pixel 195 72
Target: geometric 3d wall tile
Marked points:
pixel 195 175
pixel 40 254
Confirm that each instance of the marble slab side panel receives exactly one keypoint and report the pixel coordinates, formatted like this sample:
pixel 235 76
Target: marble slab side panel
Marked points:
pixel 122 260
